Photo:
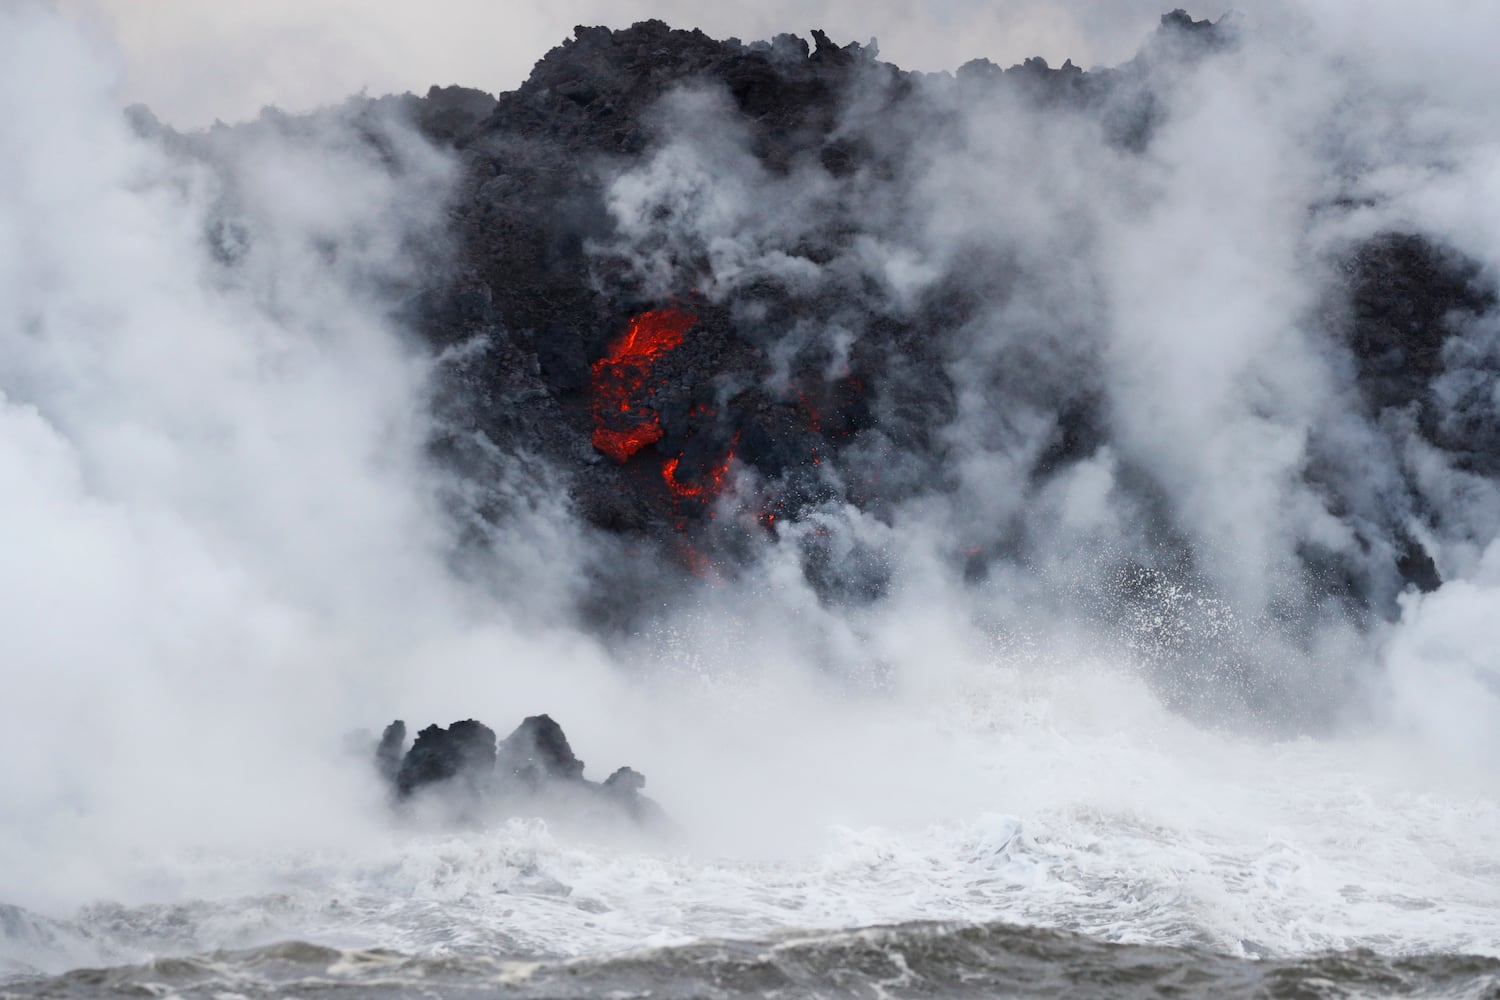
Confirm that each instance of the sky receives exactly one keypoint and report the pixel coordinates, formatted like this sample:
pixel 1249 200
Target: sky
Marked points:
pixel 193 62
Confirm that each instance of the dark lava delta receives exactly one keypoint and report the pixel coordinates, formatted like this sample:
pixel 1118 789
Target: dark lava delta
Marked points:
pixel 691 418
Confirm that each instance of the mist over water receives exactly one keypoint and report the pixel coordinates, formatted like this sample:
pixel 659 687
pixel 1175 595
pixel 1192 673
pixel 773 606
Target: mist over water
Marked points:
pixel 227 545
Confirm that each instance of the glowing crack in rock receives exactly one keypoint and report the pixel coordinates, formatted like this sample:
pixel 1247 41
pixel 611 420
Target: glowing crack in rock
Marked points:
pixel 623 425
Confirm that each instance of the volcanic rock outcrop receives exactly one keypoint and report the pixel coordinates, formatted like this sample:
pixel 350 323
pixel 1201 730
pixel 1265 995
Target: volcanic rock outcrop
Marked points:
pixel 656 375
pixel 533 770
pixel 736 297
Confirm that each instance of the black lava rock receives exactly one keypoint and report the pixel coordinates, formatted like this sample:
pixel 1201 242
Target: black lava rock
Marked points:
pixel 531 769
pixel 538 753
pixel 463 753
pixel 390 751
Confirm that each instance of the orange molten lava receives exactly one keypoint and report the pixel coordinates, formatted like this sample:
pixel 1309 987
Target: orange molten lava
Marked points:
pixel 708 488
pixel 622 425
pixel 620 445
pixel 649 335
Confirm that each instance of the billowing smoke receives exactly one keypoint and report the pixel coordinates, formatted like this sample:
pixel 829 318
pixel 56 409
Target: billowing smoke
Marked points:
pixel 194 63
pixel 224 547
pixel 818 405
pixel 1138 369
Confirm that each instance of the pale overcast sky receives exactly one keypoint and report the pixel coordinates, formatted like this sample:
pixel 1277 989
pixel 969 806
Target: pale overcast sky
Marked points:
pixel 196 60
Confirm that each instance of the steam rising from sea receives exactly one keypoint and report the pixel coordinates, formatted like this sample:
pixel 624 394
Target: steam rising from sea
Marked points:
pixel 225 547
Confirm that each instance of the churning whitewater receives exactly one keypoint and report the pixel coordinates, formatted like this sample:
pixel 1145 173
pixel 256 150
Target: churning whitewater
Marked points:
pixel 1033 529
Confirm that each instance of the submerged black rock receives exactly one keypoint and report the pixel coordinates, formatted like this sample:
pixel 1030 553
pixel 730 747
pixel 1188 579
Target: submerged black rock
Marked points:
pixel 533 768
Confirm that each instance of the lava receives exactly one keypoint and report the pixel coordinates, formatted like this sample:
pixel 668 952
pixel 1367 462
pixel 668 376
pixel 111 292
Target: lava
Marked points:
pixel 622 424
pixel 650 335
pixel 814 421
pixel 708 488
pixel 620 445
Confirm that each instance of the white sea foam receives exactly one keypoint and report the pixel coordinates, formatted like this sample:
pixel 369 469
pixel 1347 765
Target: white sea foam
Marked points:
pixel 1077 804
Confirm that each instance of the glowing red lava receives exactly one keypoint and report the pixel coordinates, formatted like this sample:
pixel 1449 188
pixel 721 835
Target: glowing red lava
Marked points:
pixel 624 422
pixel 649 335
pixel 694 561
pixel 813 420
pixel 708 488
pixel 622 425
pixel 620 445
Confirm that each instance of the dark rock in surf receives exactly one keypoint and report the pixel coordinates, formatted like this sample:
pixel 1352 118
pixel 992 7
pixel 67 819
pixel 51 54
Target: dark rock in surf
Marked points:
pixel 462 754
pixel 532 770
pixel 538 753
pixel 390 751
pixel 624 787
pixel 626 779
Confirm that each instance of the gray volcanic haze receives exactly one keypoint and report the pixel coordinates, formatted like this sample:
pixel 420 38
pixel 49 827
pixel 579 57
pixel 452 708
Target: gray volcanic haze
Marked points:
pixel 1045 513
pixel 193 62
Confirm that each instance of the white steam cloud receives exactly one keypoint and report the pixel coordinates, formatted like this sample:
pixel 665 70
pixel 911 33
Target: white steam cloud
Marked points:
pixel 223 551
pixel 194 63
pixel 225 547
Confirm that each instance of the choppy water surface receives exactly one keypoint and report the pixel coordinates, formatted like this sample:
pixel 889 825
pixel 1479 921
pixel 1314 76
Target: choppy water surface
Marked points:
pixel 1187 863
pixel 907 960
